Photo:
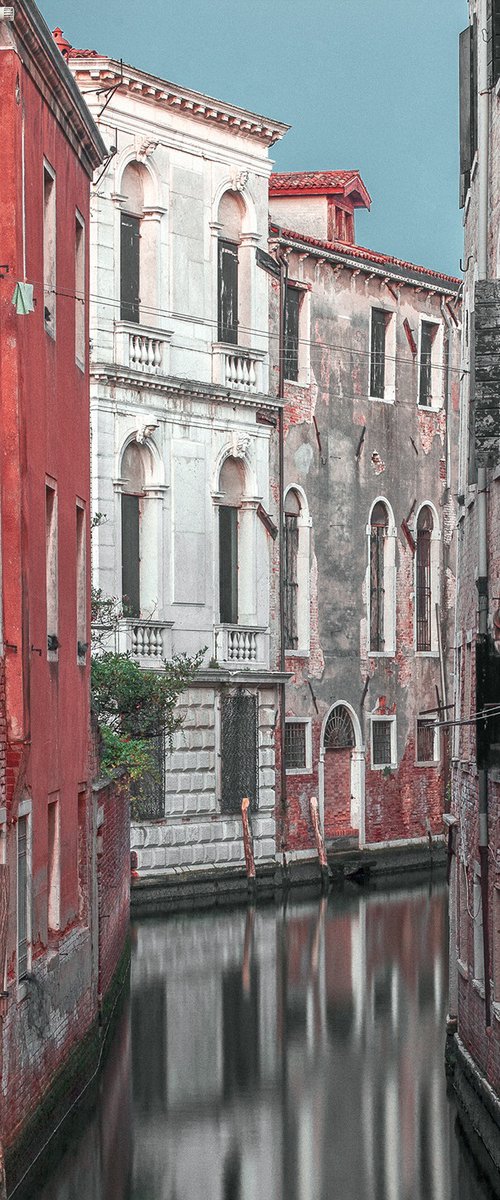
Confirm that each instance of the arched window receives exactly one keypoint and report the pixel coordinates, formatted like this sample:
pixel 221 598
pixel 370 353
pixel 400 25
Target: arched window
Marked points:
pixel 133 473
pixel 231 489
pixel 230 221
pixel 381 579
pixel 378 536
pixel 138 248
pixel 296 573
pixel 424 580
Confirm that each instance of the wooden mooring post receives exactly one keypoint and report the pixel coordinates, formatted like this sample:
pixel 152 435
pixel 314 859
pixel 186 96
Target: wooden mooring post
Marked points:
pixel 248 845
pixel 320 845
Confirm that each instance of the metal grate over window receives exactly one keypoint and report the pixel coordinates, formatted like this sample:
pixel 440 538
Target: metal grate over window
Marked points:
pixel 424 583
pixel 291 581
pixel 148 793
pixel 425 741
pixel 295 746
pixel 239 751
pixel 381 743
pixel 339 732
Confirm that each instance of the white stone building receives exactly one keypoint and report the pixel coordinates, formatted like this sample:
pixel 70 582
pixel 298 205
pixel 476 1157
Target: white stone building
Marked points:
pixel 182 424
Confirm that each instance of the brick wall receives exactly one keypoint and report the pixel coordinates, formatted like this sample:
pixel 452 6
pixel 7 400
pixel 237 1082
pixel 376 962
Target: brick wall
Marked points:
pixel 3 734
pixel 113 875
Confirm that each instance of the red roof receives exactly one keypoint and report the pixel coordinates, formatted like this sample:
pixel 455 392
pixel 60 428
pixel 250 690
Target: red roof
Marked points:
pixel 373 256
pixel 321 183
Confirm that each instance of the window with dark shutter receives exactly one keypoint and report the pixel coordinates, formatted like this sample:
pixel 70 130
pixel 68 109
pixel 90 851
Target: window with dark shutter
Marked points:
pixel 427 335
pixel 468 105
pixel 129 267
pixel 130 556
pixel 239 735
pixel 425 741
pixel 424 588
pixel 292 304
pixel 228 292
pixel 290 580
pixel 377 359
pixel 378 535
pixel 228 565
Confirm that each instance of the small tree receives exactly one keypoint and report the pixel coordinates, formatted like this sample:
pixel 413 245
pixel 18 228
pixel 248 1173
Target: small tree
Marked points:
pixel 133 706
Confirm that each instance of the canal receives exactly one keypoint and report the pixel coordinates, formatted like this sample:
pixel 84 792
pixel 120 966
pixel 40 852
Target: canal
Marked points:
pixel 278 1053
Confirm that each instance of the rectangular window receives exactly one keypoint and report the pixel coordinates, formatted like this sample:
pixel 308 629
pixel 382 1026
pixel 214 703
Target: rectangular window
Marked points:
pixel 291 583
pixel 239 751
pixel 228 564
pixel 377 592
pixel 427 741
pixel 382 742
pixel 291 346
pixel 51 570
pixel 130 556
pixel 49 249
pixel 81 584
pixel 428 332
pixel 129 267
pixel 463 926
pixel 478 929
pixel 227 316
pixel 377 353
pixel 22 898
pixel 468 105
pixel 53 866
pixel 297 746
pixel 80 291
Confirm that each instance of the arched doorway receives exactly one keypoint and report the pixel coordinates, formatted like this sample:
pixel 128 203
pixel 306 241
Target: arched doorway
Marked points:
pixel 342 773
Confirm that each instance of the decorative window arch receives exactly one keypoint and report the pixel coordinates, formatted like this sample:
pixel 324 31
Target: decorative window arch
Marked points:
pixel 231 492
pixel 230 219
pixel 381 579
pixel 339 730
pixel 426 580
pixel 139 244
pixel 139 569
pixel 296 571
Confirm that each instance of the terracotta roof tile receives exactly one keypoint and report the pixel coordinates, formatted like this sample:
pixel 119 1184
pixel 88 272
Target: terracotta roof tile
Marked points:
pixel 303 180
pixel 373 256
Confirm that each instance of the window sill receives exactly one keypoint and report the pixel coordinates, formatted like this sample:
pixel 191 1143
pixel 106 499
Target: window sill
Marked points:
pixel 427 654
pixel 297 653
pixel 289 771
pixel 430 408
pixel 392 766
pixel 462 969
pixel 432 763
pixel 301 383
pixel 478 987
pixel 382 653
pixel 80 364
pixel 383 399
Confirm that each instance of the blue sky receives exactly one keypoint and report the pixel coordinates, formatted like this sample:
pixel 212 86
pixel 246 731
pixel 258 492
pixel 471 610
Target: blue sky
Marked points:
pixel 370 84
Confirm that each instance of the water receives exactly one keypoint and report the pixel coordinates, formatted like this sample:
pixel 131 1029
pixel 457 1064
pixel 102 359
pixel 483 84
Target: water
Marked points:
pixel 279 1054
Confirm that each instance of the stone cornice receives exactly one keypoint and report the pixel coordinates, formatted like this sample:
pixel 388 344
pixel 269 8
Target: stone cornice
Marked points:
pixel 108 72
pixel 431 282
pixel 109 373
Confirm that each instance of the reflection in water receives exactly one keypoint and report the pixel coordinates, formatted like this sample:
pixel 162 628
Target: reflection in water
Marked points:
pixel 292 1054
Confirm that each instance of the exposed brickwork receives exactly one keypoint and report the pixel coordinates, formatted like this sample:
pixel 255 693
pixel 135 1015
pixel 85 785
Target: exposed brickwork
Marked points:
pixel 113 875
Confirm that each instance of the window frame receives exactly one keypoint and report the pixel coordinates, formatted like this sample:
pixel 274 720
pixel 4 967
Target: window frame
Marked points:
pixel 225 246
pixel 80 290
pixel 49 209
pixel 24 813
pixel 52 568
pixel 434 582
pixel 428 762
pixel 377 719
pixel 306 723
pixel 435 367
pixel 303 605
pixel 389 355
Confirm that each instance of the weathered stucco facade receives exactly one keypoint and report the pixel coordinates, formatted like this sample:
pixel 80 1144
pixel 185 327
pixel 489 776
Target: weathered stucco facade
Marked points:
pixel 57 956
pixel 474 826
pixel 370 441
pixel 182 426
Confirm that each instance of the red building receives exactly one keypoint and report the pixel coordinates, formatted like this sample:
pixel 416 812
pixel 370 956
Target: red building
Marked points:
pixel 51 945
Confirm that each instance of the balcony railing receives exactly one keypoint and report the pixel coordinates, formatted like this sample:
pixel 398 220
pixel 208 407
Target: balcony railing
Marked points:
pixel 239 369
pixel 241 646
pixel 147 641
pixel 142 349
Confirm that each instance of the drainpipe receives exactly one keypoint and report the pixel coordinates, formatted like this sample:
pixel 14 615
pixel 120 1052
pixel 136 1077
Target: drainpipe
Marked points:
pixel 281 480
pixel 482 525
pixel 482 587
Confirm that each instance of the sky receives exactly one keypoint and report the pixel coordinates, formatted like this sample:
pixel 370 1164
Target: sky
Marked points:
pixel 370 84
